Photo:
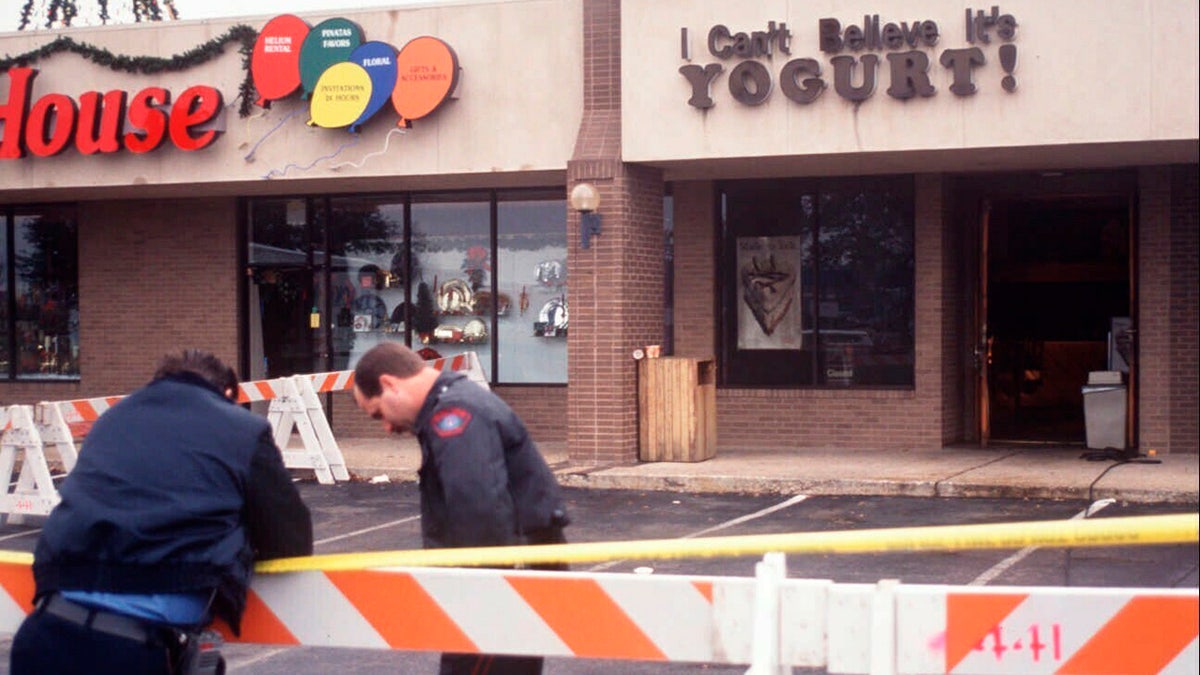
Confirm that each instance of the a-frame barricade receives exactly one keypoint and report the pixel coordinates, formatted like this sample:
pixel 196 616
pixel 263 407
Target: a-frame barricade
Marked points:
pixel 55 431
pixel 294 407
pixel 33 493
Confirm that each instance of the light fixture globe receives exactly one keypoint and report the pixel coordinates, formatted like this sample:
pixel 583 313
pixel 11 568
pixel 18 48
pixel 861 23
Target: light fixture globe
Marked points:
pixel 585 197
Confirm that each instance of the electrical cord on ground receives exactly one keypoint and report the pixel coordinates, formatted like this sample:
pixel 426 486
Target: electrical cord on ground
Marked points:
pixel 1119 457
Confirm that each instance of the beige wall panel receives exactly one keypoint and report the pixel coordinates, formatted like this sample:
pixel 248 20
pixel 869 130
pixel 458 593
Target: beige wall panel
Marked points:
pixel 518 108
pixel 1087 73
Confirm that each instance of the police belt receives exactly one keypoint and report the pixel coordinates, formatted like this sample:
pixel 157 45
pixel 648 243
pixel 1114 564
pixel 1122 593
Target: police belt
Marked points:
pixel 100 620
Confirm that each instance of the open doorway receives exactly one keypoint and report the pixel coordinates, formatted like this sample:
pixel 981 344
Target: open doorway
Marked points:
pixel 1057 274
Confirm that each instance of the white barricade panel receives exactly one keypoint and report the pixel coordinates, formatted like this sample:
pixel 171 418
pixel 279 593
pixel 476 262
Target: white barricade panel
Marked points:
pixel 1033 631
pixel 33 493
pixel 56 432
pixel 289 413
pixel 877 629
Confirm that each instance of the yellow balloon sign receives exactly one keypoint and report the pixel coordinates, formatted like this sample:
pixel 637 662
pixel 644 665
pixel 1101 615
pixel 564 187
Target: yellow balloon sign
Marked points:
pixel 341 95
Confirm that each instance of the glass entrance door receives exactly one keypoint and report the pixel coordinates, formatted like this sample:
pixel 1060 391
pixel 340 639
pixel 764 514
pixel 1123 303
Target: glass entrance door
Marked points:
pixel 287 323
pixel 286 317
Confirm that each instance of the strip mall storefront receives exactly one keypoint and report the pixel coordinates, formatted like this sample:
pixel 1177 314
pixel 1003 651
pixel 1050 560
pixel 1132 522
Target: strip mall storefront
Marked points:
pixel 888 228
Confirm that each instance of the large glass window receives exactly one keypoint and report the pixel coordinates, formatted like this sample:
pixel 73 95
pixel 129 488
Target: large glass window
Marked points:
pixel 40 284
pixel 367 275
pixel 444 273
pixel 817 280
pixel 452 265
pixel 531 255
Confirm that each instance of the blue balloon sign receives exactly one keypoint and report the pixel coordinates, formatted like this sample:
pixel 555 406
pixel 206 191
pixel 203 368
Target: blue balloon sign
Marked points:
pixel 379 60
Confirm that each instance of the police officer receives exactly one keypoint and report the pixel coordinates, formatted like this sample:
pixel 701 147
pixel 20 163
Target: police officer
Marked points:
pixel 176 493
pixel 483 481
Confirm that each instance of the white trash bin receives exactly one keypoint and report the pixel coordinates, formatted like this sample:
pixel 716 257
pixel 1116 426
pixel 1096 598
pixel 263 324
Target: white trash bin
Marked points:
pixel 1104 410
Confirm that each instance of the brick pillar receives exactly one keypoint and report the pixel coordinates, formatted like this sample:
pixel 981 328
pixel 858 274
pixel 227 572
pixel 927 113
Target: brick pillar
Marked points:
pixel 616 285
pixel 1185 309
pixel 1154 309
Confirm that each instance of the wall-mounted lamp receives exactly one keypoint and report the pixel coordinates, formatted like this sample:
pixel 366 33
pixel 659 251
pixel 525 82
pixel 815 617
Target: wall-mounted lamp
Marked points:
pixel 585 199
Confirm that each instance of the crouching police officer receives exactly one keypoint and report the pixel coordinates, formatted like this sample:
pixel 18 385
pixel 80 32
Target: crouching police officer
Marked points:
pixel 176 493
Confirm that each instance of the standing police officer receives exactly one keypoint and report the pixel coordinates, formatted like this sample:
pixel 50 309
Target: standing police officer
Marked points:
pixel 483 480
pixel 176 493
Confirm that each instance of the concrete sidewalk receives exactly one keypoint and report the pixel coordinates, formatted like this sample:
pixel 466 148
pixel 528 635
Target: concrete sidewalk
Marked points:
pixel 1012 472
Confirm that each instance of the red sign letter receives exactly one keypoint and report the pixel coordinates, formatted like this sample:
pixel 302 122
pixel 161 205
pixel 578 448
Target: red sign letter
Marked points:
pixel 14 111
pixel 52 109
pixel 145 115
pixel 194 107
pixel 100 131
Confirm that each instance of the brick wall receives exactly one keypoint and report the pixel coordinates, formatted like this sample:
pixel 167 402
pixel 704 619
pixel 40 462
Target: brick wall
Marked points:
pixel 793 419
pixel 154 276
pixel 1184 432
pixel 1154 308
pixel 955 365
pixel 695 270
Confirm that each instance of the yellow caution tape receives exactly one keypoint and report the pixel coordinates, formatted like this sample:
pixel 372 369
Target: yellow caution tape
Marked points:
pixel 1125 531
pixel 15 558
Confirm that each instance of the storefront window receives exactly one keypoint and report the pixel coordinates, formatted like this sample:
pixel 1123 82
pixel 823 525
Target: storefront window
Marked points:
pixel 818 282
pixel 420 269
pixel 452 277
pixel 41 291
pixel 531 310
pixel 368 273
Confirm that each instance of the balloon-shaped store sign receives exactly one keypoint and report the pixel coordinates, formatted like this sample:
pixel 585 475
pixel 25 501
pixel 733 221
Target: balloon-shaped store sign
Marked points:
pixel 275 62
pixel 379 60
pixel 341 95
pixel 346 80
pixel 427 73
pixel 329 42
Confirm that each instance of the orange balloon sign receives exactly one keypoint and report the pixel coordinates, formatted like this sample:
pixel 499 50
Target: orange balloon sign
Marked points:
pixel 275 62
pixel 426 74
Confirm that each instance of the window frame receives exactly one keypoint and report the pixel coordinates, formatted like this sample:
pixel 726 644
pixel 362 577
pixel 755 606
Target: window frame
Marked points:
pixel 9 216
pixel 803 368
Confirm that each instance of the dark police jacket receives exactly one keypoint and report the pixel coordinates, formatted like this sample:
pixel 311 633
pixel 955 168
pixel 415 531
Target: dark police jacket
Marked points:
pixel 176 490
pixel 483 481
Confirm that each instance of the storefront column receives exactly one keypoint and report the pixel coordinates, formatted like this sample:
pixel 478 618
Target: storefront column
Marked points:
pixel 616 284
pixel 616 305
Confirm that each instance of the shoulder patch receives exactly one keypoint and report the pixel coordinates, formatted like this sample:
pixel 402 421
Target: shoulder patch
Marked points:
pixel 450 422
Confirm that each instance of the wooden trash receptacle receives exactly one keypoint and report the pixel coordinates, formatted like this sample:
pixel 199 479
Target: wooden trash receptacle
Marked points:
pixel 677 409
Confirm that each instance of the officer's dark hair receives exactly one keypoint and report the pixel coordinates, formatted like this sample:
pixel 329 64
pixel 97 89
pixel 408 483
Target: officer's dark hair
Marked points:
pixel 201 364
pixel 385 358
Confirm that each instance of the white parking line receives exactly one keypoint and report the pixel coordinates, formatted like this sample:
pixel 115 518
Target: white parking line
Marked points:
pixel 1003 566
pixel 721 526
pixel 366 530
pixel 18 535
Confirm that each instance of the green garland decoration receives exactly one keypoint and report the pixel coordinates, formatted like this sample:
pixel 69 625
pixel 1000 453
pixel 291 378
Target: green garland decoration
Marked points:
pixel 149 65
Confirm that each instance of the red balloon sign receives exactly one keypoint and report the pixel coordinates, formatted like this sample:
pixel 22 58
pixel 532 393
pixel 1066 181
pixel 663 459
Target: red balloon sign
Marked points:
pixel 275 63
pixel 426 74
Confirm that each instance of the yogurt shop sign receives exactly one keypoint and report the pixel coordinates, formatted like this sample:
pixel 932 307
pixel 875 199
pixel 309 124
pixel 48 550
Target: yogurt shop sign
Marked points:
pixel 856 53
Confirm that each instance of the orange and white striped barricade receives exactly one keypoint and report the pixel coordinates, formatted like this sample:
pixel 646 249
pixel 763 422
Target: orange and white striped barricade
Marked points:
pixel 876 629
pixel 379 600
pixel 55 431
pixel 33 493
pixel 292 411
pixel 81 414
pixel 467 362
pixel 1045 630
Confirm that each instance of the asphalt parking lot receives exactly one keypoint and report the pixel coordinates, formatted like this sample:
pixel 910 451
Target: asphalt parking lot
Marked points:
pixel 362 516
